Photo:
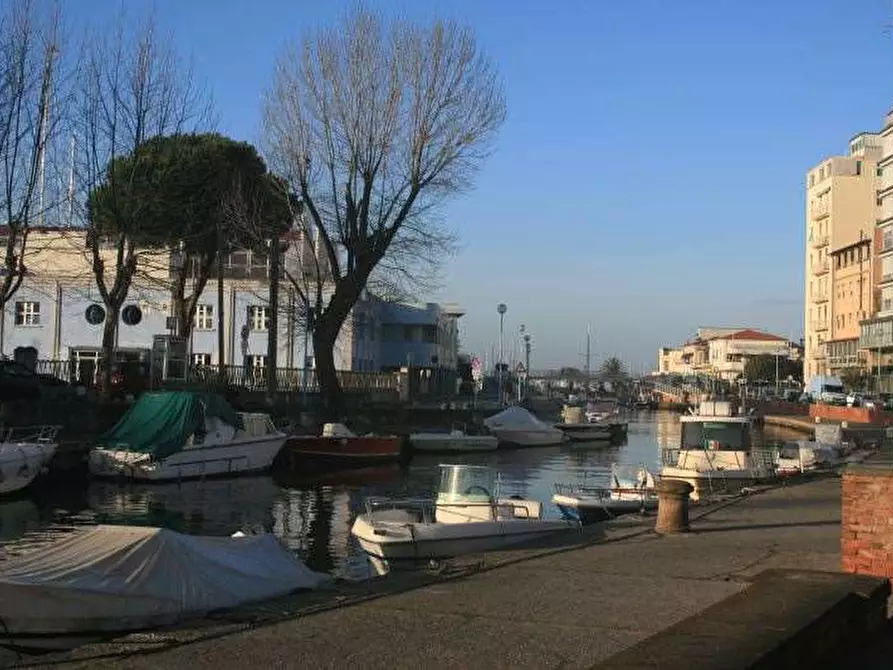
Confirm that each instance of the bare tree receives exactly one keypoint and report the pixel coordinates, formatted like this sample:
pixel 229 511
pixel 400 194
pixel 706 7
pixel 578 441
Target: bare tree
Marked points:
pixel 374 126
pixel 29 77
pixel 131 87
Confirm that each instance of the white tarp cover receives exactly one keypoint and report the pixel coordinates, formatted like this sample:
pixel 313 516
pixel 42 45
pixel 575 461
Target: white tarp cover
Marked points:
pixel 116 578
pixel 514 417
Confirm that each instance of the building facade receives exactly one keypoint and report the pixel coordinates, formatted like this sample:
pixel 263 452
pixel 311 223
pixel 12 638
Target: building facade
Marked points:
pixel 58 312
pixel 841 205
pixel 722 353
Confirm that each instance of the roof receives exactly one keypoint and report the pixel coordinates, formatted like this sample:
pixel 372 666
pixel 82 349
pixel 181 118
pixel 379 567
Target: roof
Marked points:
pixel 750 334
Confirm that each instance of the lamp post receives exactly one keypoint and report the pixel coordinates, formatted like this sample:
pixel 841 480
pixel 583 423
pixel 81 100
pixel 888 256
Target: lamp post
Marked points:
pixel 501 310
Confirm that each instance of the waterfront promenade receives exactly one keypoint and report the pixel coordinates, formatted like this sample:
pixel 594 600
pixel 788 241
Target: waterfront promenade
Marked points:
pixel 550 607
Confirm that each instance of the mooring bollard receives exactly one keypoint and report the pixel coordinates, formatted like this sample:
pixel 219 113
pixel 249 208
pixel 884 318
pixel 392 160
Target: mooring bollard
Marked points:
pixel 672 506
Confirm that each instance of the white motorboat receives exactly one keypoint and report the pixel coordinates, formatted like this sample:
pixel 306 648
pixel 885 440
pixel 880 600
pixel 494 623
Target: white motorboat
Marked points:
pixel 716 454
pixel 580 428
pixel 630 489
pixel 105 581
pixel 454 441
pixel 24 454
pixel 184 435
pixel 468 516
pixel 795 458
pixel 517 427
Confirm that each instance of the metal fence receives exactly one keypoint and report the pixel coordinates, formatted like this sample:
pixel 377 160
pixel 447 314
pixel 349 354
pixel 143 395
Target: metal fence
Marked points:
pixel 234 376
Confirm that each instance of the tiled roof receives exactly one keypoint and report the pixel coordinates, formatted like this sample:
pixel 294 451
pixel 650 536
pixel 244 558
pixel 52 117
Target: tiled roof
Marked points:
pixel 754 335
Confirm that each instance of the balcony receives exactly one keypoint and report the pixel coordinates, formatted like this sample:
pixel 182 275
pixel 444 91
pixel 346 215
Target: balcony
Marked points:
pixel 820 241
pixel 820 268
pixel 820 296
pixel 819 325
pixel 819 211
pixel 885 279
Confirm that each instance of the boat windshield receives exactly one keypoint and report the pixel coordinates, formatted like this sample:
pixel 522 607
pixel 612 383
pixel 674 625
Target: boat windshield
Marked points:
pixel 466 483
pixel 722 435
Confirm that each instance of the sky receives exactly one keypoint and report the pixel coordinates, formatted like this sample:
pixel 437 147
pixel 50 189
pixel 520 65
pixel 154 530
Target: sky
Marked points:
pixel 649 178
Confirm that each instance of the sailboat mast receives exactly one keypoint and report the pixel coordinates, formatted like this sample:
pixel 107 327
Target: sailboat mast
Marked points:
pixel 588 337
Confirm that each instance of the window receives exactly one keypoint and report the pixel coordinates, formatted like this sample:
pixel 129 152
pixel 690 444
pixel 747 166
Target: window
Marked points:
pixel 812 179
pixel 258 318
pixel 888 239
pixel 880 172
pixel 858 168
pixel 204 317
pixel 27 313
pixel 201 359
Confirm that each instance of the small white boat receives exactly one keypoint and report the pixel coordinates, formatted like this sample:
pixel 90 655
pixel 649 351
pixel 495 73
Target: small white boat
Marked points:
pixel 517 427
pixel 468 516
pixel 184 435
pixel 106 581
pixel 24 454
pixel 716 454
pixel 795 458
pixel 454 441
pixel 631 489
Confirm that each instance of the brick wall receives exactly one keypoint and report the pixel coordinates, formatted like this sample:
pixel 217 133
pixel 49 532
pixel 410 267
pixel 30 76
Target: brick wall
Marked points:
pixel 866 531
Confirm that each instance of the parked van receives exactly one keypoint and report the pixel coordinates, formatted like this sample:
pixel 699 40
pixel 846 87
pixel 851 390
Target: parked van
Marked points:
pixel 827 389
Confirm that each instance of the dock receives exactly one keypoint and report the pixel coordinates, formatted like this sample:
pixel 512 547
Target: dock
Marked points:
pixel 570 604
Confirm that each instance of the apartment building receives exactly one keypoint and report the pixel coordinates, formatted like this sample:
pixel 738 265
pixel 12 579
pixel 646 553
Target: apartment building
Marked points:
pixel 723 353
pixel 841 209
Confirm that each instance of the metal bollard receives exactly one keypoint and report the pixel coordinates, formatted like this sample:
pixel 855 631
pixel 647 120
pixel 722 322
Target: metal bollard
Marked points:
pixel 672 506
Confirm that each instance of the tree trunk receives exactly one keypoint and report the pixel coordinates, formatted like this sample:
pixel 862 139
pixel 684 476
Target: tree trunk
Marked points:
pixel 109 330
pixel 324 354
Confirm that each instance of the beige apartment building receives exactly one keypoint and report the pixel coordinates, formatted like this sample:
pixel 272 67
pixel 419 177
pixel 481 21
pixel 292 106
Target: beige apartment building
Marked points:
pixel 841 209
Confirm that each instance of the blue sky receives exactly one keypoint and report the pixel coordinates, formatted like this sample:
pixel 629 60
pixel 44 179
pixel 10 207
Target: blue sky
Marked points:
pixel 649 178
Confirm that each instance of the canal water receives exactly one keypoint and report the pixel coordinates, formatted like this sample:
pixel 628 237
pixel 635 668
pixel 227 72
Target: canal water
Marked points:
pixel 313 517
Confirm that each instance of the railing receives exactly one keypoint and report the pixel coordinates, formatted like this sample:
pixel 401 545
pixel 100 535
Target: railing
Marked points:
pixel 820 241
pixel 820 268
pixel 287 379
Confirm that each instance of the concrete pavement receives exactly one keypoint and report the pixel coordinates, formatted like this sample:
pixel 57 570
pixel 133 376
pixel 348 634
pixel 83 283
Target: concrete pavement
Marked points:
pixel 535 608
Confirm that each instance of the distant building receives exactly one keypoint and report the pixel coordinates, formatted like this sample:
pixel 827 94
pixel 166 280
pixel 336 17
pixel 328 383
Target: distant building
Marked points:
pixel 722 353
pixel 59 312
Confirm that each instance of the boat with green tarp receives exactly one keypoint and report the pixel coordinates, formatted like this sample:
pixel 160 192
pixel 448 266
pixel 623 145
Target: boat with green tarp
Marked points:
pixel 185 435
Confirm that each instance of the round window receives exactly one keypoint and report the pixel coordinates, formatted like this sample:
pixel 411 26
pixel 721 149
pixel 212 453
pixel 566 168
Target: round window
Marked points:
pixel 131 315
pixel 95 314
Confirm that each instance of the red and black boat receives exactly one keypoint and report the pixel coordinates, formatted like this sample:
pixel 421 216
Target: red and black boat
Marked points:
pixel 338 447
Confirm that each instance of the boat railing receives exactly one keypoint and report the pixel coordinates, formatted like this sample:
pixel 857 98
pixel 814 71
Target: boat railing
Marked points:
pixel 44 433
pixel 426 508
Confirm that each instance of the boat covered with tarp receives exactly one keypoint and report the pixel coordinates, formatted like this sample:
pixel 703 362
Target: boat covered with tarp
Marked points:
pixel 185 434
pixel 103 581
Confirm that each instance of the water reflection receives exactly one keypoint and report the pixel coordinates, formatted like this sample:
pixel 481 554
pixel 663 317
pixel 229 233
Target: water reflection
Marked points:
pixel 313 514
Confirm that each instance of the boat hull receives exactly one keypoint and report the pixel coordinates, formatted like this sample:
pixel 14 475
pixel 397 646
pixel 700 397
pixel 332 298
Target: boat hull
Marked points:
pixel 528 438
pixel 718 482
pixel 585 432
pixel 22 463
pixel 419 541
pixel 341 452
pixel 594 511
pixel 219 460
pixel 435 443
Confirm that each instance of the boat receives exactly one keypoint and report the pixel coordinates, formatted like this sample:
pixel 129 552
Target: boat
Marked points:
pixel 794 458
pixel 517 427
pixel 716 454
pixel 468 516
pixel 24 454
pixel 630 489
pixel 105 581
pixel 455 441
pixel 580 428
pixel 175 435
pixel 338 446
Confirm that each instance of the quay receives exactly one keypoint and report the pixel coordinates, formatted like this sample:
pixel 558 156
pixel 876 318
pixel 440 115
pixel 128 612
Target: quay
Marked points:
pixel 571 605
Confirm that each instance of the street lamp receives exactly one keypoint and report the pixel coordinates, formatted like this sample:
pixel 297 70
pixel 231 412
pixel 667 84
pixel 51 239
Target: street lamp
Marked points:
pixel 501 310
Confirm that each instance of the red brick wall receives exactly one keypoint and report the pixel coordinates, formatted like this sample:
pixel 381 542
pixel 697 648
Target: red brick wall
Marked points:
pixel 866 530
pixel 851 414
